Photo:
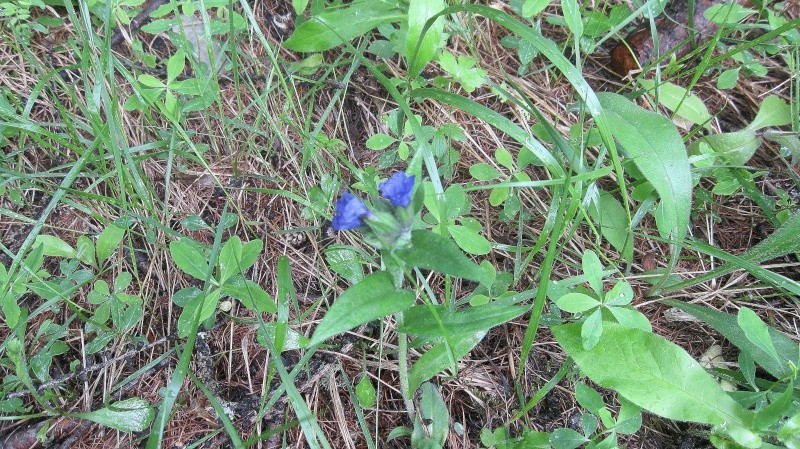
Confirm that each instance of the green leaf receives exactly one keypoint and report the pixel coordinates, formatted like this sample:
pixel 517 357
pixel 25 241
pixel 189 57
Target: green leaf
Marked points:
pixel 652 373
pixel 423 320
pixel 419 11
pixel 614 227
pixel 566 439
pixel 593 270
pixel 728 79
pixel 657 149
pixel 433 252
pixel 189 256
pixel 756 331
pixel 504 158
pixel 437 358
pixel 533 7
pixel 727 13
pixel 470 240
pixel 432 422
pixel 85 250
pixel 299 6
pixel 334 27
pixel 185 320
pixel 576 302
pixel 772 413
pixel 365 392
pixel 572 15
pixel 620 294
pixel 484 172
pixel 250 294
pixel 346 263
pixel 229 257
pixel 681 101
pixel 380 141
pixel 727 325
pixel 54 246
pixel 734 148
pixel 373 298
pixel 774 111
pixel 175 65
pixel 129 415
pixel 589 398
pixel 291 341
pixel 630 317
pixel 592 329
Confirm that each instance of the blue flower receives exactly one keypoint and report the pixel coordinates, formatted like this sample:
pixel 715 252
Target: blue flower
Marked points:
pixel 350 213
pixel 397 189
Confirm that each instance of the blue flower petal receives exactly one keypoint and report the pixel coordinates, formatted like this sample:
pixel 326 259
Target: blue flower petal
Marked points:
pixel 350 213
pixel 397 189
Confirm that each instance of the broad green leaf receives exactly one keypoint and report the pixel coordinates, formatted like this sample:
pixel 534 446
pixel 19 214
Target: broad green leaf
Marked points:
pixel 592 329
pixel 85 252
pixel 419 11
pixel 657 149
pixel 336 26
pixel 380 141
pixel 434 252
pixel 653 373
pixel 470 240
pixel 346 263
pixel 774 111
pixel 421 321
pixel 728 326
pixel 727 13
pixel 129 415
pixel 432 421
pixel 54 246
pixel 620 294
pixel 614 227
pixel 630 317
pixel 593 270
pixel 265 336
pixel 679 100
pixel 484 172
pixel 572 15
pixel 189 256
pixel 533 7
pixel 589 398
pixel 365 392
pixel 756 331
pixel 250 294
pixel 185 320
pixel 576 302
pixel 735 148
pixel 728 79
pixel 175 65
pixel 373 298
pixel 437 358
pixel 504 158
pixel 564 438
pixel 229 257
pixel 299 6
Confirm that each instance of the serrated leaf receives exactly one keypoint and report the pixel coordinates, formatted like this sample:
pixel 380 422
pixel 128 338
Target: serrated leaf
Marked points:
pixel 373 298
pixel 653 373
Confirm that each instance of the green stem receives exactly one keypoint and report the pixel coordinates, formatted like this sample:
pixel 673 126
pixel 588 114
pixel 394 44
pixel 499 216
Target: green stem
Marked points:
pixel 402 362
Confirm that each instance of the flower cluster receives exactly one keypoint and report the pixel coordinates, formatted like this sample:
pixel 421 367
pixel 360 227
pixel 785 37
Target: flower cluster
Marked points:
pixel 389 224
